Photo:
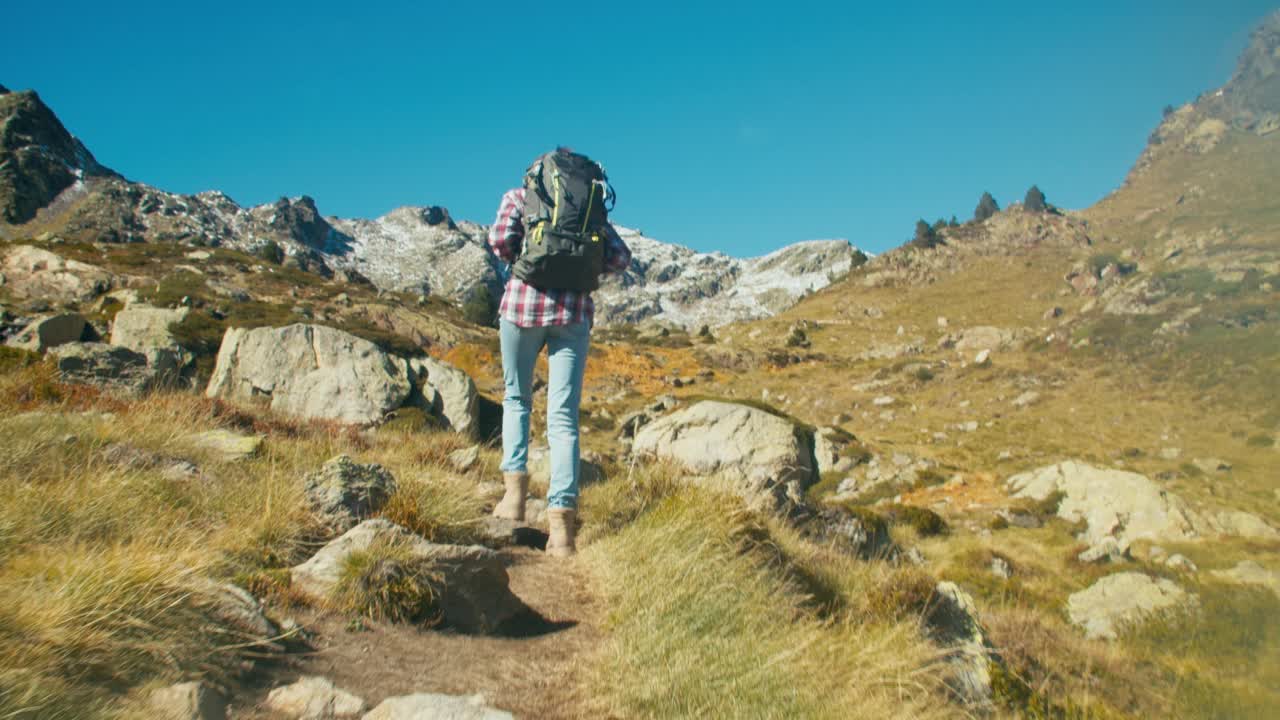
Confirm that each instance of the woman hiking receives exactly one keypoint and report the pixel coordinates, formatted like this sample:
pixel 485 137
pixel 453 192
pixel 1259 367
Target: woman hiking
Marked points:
pixel 554 233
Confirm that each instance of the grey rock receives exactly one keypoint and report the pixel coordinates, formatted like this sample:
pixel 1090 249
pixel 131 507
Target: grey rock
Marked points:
pixel 1248 572
pixel 1000 568
pixel 1121 599
pixel 465 459
pixel 50 331
pixel 114 368
pixel 450 392
pixel 314 698
pixel 226 445
pixel 310 371
pixel 148 330
pixel 953 621
pixel 764 458
pixel 344 492
pixel 31 272
pixel 431 706
pixel 188 701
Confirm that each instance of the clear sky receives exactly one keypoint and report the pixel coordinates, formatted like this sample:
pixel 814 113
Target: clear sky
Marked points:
pixel 738 127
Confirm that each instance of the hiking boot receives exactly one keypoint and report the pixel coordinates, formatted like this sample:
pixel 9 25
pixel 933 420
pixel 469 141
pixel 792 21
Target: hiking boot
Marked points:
pixel 562 522
pixel 511 506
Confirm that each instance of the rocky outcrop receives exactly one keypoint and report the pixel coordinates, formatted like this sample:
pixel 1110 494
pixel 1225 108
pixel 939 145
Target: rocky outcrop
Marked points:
pixel 447 393
pixel 344 492
pixel 38 157
pixel 475 596
pixel 314 698
pixel 30 272
pixel 1123 599
pixel 115 368
pixel 1120 507
pixel 430 705
pixel 310 371
pixel 51 331
pixel 1248 572
pixel 766 459
pixel 953 622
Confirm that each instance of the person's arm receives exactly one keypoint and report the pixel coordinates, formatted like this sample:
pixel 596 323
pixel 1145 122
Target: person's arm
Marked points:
pixel 617 256
pixel 507 231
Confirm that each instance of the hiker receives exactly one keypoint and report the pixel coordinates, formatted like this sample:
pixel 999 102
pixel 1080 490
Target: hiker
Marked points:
pixel 555 234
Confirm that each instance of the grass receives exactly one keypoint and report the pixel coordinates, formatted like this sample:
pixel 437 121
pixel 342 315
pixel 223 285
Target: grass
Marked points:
pixel 102 562
pixel 704 624
pixel 387 582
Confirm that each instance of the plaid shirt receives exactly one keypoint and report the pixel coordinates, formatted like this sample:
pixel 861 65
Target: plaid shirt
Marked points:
pixel 526 305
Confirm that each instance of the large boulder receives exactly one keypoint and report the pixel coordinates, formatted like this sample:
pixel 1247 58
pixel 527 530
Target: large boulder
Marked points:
pixel 766 459
pixel 1116 504
pixel 51 331
pixel 108 366
pixel 1121 599
pixel 344 492
pixel 310 371
pixel 447 393
pixel 476 596
pixel 432 706
pixel 30 272
pixel 148 330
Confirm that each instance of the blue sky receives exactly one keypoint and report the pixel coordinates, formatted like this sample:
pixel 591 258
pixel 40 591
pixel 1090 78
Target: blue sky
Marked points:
pixel 736 127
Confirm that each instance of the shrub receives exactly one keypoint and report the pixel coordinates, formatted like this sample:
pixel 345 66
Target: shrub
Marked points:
pixel 387 582
pixel 923 520
pixel 986 207
pixel 480 308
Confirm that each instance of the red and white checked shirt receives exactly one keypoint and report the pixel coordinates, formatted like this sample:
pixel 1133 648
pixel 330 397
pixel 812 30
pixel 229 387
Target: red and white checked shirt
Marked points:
pixel 526 305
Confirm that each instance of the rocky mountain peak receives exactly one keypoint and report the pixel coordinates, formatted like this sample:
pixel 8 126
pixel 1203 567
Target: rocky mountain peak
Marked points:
pixel 1253 94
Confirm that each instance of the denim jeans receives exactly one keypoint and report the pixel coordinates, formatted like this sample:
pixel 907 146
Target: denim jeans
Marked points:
pixel 566 360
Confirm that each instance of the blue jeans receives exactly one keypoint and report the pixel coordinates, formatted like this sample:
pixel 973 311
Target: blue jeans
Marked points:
pixel 566 360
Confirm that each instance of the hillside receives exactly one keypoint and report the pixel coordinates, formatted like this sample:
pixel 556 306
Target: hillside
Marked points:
pixel 1027 471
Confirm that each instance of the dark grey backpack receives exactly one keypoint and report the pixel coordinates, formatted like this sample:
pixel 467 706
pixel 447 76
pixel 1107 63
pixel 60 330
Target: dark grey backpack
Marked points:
pixel 567 199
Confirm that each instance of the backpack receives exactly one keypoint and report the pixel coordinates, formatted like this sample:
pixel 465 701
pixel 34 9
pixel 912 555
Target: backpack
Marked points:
pixel 565 214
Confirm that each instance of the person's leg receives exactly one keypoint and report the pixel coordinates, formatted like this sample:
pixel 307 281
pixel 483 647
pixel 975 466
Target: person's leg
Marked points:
pixel 567 361
pixel 520 347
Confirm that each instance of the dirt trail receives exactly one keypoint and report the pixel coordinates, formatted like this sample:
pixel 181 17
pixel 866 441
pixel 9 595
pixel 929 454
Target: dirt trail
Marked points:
pixel 531 671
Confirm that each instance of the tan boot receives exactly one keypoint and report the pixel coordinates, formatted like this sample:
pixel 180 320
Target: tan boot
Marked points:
pixel 564 529
pixel 511 506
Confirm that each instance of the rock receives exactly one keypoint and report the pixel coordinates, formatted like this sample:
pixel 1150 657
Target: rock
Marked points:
pixel 632 422
pixel 107 366
pixel 227 445
pixel 314 698
pixel 1120 599
pixel 983 337
pixel 1108 550
pixel 188 701
pixel 475 593
pixel 1211 465
pixel 343 492
pixel 30 272
pixel 1000 568
pixel 883 401
pixel 453 393
pixel 1170 453
pixel 465 459
pixel 1120 505
pixel 828 442
pixel 1027 398
pixel 862 535
pixel 953 621
pixel 430 706
pixel 1248 572
pixel 310 371
pixel 147 330
pixel 764 458
pixel 1241 524
pixel 983 358
pixel 50 331
pixel 1181 562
